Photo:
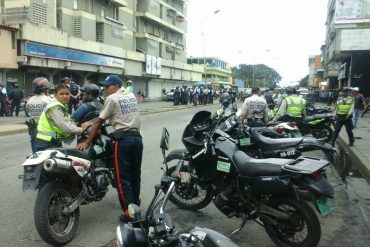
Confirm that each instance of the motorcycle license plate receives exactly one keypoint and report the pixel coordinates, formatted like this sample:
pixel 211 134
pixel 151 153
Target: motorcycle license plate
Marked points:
pixel 325 206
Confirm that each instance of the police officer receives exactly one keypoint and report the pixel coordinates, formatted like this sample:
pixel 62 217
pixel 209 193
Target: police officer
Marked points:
pixel 254 111
pixel 344 110
pixel 292 108
pixel 121 109
pixel 36 105
pixel 55 124
pixel 91 105
pixel 16 95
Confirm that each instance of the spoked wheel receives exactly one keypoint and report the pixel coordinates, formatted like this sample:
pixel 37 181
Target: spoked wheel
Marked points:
pixel 325 132
pixel 54 226
pixel 302 228
pixel 187 193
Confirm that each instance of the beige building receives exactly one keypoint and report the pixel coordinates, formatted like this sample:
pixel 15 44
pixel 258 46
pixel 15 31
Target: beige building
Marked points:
pixel 8 58
pixel 142 40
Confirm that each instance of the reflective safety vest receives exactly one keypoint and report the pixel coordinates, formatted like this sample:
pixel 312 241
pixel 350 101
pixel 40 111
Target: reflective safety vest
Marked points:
pixel 344 105
pixel 295 106
pixel 47 132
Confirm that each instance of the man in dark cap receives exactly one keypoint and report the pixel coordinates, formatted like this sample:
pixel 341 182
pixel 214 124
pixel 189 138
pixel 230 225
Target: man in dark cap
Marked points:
pixel 16 95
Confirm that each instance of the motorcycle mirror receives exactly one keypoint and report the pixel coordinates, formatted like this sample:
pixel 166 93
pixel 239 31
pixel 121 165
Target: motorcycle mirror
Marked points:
pixel 134 211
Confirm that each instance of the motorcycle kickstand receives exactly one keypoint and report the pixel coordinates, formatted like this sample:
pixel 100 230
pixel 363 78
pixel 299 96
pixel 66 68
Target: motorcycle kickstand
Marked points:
pixel 240 227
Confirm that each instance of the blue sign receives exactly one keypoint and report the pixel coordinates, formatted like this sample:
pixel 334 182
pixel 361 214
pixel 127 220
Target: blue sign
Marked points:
pixel 47 51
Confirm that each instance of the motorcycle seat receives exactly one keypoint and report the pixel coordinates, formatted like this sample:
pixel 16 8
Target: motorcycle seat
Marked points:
pixel 270 144
pixel 75 152
pixel 248 166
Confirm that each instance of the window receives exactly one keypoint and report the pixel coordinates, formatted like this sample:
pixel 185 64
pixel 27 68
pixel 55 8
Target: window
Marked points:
pixel 75 5
pixel 115 13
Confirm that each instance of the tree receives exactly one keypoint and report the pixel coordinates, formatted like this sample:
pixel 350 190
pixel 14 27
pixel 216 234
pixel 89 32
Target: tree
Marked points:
pixel 256 75
pixel 304 81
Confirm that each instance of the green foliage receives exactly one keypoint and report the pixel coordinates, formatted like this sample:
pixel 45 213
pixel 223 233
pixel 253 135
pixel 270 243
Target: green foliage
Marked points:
pixel 258 75
pixel 304 81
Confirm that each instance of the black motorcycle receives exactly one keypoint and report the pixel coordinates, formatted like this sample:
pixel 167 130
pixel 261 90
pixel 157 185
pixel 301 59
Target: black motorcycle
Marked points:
pixel 157 228
pixel 263 190
pixel 312 110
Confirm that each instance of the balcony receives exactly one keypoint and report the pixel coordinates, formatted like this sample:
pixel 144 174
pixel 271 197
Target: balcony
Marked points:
pixel 118 3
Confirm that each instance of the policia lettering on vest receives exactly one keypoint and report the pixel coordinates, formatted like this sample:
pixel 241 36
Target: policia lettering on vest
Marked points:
pixel 344 110
pixel 55 125
pixel 121 109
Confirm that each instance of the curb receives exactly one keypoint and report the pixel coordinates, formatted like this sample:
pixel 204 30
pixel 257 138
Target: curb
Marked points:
pixel 355 158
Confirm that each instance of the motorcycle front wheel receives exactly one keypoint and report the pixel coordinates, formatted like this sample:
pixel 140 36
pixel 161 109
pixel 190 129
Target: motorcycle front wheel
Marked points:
pixel 302 228
pixel 187 193
pixel 54 226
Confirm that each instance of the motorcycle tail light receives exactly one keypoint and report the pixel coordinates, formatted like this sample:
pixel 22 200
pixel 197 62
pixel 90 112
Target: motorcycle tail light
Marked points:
pixel 316 175
pixel 280 129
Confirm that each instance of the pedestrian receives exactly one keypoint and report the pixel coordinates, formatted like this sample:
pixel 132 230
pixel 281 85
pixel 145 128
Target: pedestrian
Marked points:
pixel 121 109
pixel 35 106
pixel 55 125
pixel 196 92
pixel 254 111
pixel 2 100
pixel 359 106
pixel 344 109
pixel 16 95
pixel 91 105
pixel 130 86
pixel 176 96
pixel 292 108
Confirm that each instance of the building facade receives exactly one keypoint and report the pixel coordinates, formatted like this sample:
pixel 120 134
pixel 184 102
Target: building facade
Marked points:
pixel 141 40
pixel 346 54
pixel 216 72
pixel 316 72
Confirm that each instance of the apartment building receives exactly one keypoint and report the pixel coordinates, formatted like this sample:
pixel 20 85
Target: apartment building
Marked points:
pixel 141 40
pixel 217 73
pixel 346 54
pixel 316 72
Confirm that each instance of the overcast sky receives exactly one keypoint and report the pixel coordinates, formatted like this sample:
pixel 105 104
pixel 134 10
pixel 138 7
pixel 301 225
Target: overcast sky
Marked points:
pixel 279 33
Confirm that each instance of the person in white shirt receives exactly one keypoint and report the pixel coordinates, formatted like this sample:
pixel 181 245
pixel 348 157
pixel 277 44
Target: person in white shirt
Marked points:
pixel 254 111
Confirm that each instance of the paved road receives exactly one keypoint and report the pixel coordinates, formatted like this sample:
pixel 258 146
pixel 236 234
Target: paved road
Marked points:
pixel 346 226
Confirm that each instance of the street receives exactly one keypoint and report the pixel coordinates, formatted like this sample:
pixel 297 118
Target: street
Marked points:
pixel 346 226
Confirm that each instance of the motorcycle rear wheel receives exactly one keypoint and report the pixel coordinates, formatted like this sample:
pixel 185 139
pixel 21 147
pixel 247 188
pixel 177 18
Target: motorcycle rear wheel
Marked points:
pixel 54 226
pixel 187 196
pixel 302 222
pixel 324 132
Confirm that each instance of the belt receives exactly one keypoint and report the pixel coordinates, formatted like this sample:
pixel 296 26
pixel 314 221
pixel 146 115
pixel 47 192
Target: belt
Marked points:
pixel 121 133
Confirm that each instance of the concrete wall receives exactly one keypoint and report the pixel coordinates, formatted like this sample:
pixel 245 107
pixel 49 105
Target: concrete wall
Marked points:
pixel 8 57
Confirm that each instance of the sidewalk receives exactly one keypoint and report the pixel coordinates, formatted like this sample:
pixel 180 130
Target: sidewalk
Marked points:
pixel 15 125
pixel 358 156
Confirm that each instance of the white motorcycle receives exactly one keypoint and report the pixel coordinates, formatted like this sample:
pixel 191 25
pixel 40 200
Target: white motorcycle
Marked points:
pixel 65 179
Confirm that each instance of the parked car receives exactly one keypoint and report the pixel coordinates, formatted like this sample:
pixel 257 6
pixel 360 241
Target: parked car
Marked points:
pixel 169 94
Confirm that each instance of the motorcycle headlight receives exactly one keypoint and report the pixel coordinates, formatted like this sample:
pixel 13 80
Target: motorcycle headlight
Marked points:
pixel 119 241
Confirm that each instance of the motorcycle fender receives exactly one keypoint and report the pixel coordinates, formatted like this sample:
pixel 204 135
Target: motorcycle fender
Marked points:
pixel 211 238
pixel 31 177
pixel 320 187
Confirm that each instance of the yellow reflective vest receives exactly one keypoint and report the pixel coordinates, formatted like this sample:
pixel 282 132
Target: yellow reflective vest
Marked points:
pixel 344 105
pixel 295 106
pixel 47 132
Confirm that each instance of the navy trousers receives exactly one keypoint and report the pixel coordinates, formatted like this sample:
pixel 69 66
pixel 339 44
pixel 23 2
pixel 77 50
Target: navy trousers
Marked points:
pixel 128 152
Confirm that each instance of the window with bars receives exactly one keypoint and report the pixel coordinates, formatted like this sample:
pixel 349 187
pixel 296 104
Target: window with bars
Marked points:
pixel 77 22
pixel 100 32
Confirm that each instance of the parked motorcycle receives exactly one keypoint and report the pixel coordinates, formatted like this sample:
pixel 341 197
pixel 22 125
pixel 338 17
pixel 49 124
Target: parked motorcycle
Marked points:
pixel 157 228
pixel 312 110
pixel 263 190
pixel 65 179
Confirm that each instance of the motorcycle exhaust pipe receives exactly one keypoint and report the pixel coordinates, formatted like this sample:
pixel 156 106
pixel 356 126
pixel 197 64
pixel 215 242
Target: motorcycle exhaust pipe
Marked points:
pixel 57 165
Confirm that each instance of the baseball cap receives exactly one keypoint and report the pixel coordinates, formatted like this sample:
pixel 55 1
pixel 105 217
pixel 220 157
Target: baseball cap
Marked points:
pixel 356 89
pixel 111 80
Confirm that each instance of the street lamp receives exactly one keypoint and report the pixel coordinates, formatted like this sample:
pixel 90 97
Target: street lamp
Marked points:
pixel 204 43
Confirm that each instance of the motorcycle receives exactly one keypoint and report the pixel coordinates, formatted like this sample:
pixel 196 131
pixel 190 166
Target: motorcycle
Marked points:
pixel 273 141
pixel 157 228
pixel 263 190
pixel 312 110
pixel 65 179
